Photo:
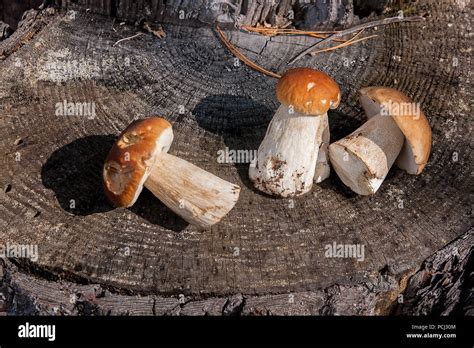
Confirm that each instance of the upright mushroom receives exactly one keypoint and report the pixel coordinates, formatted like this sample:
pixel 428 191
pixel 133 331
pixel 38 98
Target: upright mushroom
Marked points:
pixel 396 131
pixel 139 158
pixel 295 145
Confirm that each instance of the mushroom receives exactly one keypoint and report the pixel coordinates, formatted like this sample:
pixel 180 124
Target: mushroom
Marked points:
pixel 409 118
pixel 323 169
pixel 139 158
pixel 396 131
pixel 294 148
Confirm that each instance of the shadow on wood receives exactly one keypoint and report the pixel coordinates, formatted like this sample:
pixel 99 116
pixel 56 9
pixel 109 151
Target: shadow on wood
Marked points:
pixel 74 173
pixel 241 121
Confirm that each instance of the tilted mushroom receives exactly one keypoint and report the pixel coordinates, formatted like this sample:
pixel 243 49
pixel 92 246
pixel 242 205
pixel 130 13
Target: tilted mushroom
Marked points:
pixel 411 120
pixel 295 146
pixel 139 158
pixel 396 131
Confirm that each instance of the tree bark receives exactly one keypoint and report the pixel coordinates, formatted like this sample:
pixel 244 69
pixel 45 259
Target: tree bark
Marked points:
pixel 232 12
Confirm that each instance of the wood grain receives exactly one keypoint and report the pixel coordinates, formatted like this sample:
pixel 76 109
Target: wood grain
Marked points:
pixel 265 246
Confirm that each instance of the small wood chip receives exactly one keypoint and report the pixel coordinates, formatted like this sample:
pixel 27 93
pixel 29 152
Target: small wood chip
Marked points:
pixel 156 30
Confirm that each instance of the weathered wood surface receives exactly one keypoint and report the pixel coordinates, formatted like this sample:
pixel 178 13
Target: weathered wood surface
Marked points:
pixel 443 285
pixel 265 247
pixel 304 14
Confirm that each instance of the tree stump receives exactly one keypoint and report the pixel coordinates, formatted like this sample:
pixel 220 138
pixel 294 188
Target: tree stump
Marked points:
pixel 267 251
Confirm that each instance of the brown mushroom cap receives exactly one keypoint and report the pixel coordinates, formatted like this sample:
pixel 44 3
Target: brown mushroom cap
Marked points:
pixel 132 157
pixel 415 127
pixel 309 91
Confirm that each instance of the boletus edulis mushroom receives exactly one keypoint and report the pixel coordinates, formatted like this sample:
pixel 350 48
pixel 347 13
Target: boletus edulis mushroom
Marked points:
pixel 293 152
pixel 139 158
pixel 397 131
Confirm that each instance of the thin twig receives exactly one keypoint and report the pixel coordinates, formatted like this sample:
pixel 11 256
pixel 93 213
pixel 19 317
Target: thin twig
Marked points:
pixel 319 36
pixel 349 42
pixel 243 58
pixel 127 38
pixel 354 29
pixel 284 31
pixel 345 44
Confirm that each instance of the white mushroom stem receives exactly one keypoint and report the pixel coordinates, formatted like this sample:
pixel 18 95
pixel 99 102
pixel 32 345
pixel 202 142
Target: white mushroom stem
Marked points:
pixel 199 197
pixel 362 159
pixel 406 159
pixel 322 165
pixel 286 159
pixel 370 107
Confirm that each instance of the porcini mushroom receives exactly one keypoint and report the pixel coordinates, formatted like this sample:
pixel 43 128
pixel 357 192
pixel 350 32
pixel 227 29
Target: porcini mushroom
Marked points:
pixel 396 131
pixel 295 145
pixel 409 118
pixel 139 158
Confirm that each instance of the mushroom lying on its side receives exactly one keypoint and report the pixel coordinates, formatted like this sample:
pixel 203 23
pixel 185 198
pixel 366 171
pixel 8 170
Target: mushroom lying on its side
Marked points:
pixel 295 145
pixel 413 124
pixel 396 131
pixel 139 158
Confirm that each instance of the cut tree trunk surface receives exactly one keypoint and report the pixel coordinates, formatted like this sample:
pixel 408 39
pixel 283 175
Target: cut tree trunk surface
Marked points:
pixel 51 169
pixel 443 285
